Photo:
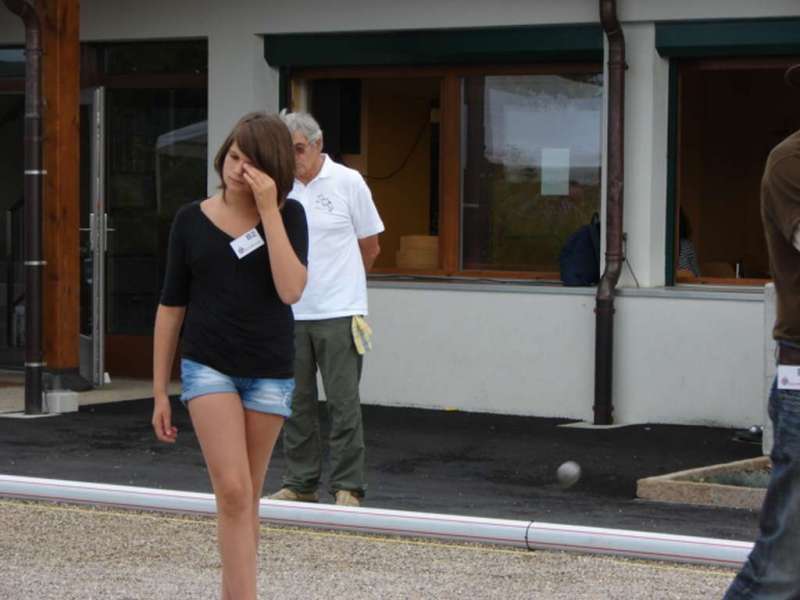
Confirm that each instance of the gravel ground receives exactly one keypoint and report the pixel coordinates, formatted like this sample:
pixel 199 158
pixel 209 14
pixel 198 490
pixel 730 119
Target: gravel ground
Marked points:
pixel 62 552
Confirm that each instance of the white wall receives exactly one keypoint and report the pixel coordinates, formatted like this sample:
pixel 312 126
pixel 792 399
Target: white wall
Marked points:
pixel 278 16
pixel 238 83
pixel 677 359
pixel 519 353
pixel 683 359
pixel 118 19
pixel 646 133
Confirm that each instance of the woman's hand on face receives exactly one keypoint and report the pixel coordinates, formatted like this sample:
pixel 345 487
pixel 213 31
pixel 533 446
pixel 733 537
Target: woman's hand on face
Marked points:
pixel 162 420
pixel 264 189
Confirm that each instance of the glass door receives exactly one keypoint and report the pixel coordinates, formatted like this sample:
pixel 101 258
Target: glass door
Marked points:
pixel 12 201
pixel 94 231
pixel 156 161
pixel 143 156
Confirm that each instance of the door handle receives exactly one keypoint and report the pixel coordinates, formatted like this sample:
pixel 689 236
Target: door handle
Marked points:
pixel 91 231
pixel 106 229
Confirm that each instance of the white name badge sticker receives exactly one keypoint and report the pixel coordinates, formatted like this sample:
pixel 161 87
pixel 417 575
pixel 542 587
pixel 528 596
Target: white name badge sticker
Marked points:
pixel 246 243
pixel 788 377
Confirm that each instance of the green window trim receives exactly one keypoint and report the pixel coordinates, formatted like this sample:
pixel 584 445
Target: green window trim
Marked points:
pixel 436 46
pixel 750 37
pixel 672 166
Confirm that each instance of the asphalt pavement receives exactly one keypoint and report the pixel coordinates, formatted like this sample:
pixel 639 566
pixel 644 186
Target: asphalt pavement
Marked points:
pixel 420 460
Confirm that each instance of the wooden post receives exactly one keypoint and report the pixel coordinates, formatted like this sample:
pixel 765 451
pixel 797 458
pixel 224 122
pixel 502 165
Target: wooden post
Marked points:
pixel 61 205
pixel 450 126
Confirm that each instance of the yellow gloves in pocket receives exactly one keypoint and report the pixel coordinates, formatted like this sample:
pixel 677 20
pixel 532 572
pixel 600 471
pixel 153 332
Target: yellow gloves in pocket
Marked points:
pixel 362 334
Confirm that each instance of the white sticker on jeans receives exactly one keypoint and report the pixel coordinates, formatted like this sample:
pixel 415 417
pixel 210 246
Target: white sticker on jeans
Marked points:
pixel 246 243
pixel 789 377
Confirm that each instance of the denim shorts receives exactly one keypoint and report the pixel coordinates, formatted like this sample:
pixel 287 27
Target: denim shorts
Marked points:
pixel 272 396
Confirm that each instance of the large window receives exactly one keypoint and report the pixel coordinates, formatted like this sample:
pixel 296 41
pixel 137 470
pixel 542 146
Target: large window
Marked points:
pixel 531 168
pixel 730 114
pixel 476 173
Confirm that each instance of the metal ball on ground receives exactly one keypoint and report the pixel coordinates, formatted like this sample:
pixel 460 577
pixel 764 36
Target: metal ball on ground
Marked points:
pixel 568 474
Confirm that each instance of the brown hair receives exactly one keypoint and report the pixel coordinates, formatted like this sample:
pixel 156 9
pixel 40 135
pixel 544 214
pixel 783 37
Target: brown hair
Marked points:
pixel 265 140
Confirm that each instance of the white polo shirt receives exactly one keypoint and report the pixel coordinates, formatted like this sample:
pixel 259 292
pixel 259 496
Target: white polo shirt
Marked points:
pixel 340 211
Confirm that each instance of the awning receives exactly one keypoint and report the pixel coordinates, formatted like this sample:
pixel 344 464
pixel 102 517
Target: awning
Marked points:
pixel 436 46
pixel 751 37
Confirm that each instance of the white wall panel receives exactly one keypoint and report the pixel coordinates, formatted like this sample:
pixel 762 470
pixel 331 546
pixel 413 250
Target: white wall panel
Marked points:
pixel 238 82
pixel 689 361
pixel 646 133
pixel 118 19
pixel 676 360
pixel 517 353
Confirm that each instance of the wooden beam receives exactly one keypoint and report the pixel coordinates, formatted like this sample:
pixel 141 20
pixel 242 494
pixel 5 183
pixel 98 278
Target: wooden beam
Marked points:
pixel 450 174
pixel 61 202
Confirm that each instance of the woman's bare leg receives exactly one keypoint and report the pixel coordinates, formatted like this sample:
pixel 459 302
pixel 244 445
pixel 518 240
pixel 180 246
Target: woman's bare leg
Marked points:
pixel 262 433
pixel 219 422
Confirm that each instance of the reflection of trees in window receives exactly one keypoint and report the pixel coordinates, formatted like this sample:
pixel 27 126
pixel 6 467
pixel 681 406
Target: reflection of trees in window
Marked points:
pixel 511 222
pixel 149 175
pixel 155 58
pixel 12 62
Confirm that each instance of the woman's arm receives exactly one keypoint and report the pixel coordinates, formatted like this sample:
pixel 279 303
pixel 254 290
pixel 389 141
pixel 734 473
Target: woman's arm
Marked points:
pixel 165 342
pixel 288 273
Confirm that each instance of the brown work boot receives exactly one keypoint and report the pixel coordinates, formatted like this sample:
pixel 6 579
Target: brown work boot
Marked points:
pixel 290 494
pixel 347 498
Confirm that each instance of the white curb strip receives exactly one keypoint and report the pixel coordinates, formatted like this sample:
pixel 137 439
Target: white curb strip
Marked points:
pixel 521 534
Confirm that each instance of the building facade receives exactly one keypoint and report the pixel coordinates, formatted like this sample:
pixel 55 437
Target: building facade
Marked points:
pixel 481 130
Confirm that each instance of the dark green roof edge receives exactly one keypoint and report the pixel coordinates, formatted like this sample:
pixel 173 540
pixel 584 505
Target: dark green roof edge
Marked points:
pixel 435 46
pixel 750 37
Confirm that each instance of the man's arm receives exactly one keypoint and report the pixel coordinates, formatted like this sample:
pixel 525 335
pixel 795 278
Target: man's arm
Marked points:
pixel 370 248
pixel 781 196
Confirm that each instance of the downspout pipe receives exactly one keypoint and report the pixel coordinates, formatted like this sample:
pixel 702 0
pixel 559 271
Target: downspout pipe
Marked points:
pixel 34 262
pixel 604 307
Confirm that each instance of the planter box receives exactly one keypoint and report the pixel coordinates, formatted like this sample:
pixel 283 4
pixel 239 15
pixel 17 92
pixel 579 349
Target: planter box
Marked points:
pixel 696 486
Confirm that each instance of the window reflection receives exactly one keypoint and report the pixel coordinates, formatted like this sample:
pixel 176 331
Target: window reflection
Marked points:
pixel 12 281
pixel 156 163
pixel 12 62
pixel 531 155
pixel 155 57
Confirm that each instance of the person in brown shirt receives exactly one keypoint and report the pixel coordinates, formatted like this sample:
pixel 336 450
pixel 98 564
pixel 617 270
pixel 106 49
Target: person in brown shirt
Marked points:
pixel 773 568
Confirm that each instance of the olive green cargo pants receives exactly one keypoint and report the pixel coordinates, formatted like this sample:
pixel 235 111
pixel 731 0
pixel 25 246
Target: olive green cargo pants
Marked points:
pixel 327 344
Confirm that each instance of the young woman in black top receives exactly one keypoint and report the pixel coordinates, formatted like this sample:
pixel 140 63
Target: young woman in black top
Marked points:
pixel 236 261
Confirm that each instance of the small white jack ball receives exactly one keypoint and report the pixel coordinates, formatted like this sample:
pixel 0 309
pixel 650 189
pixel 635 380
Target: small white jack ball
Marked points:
pixel 568 474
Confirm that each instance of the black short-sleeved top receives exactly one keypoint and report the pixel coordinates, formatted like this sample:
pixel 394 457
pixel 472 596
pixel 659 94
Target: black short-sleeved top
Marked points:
pixel 235 321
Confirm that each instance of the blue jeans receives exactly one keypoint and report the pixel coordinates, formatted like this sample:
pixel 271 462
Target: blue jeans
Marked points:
pixel 270 396
pixel 772 570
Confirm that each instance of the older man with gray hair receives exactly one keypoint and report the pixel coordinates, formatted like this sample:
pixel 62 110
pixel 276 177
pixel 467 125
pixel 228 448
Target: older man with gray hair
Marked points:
pixel 343 228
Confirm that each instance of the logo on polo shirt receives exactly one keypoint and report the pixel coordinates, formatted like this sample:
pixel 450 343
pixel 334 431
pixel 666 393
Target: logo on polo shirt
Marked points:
pixel 323 203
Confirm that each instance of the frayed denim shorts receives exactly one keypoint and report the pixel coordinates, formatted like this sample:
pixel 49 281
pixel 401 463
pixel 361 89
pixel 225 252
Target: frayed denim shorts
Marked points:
pixel 272 396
